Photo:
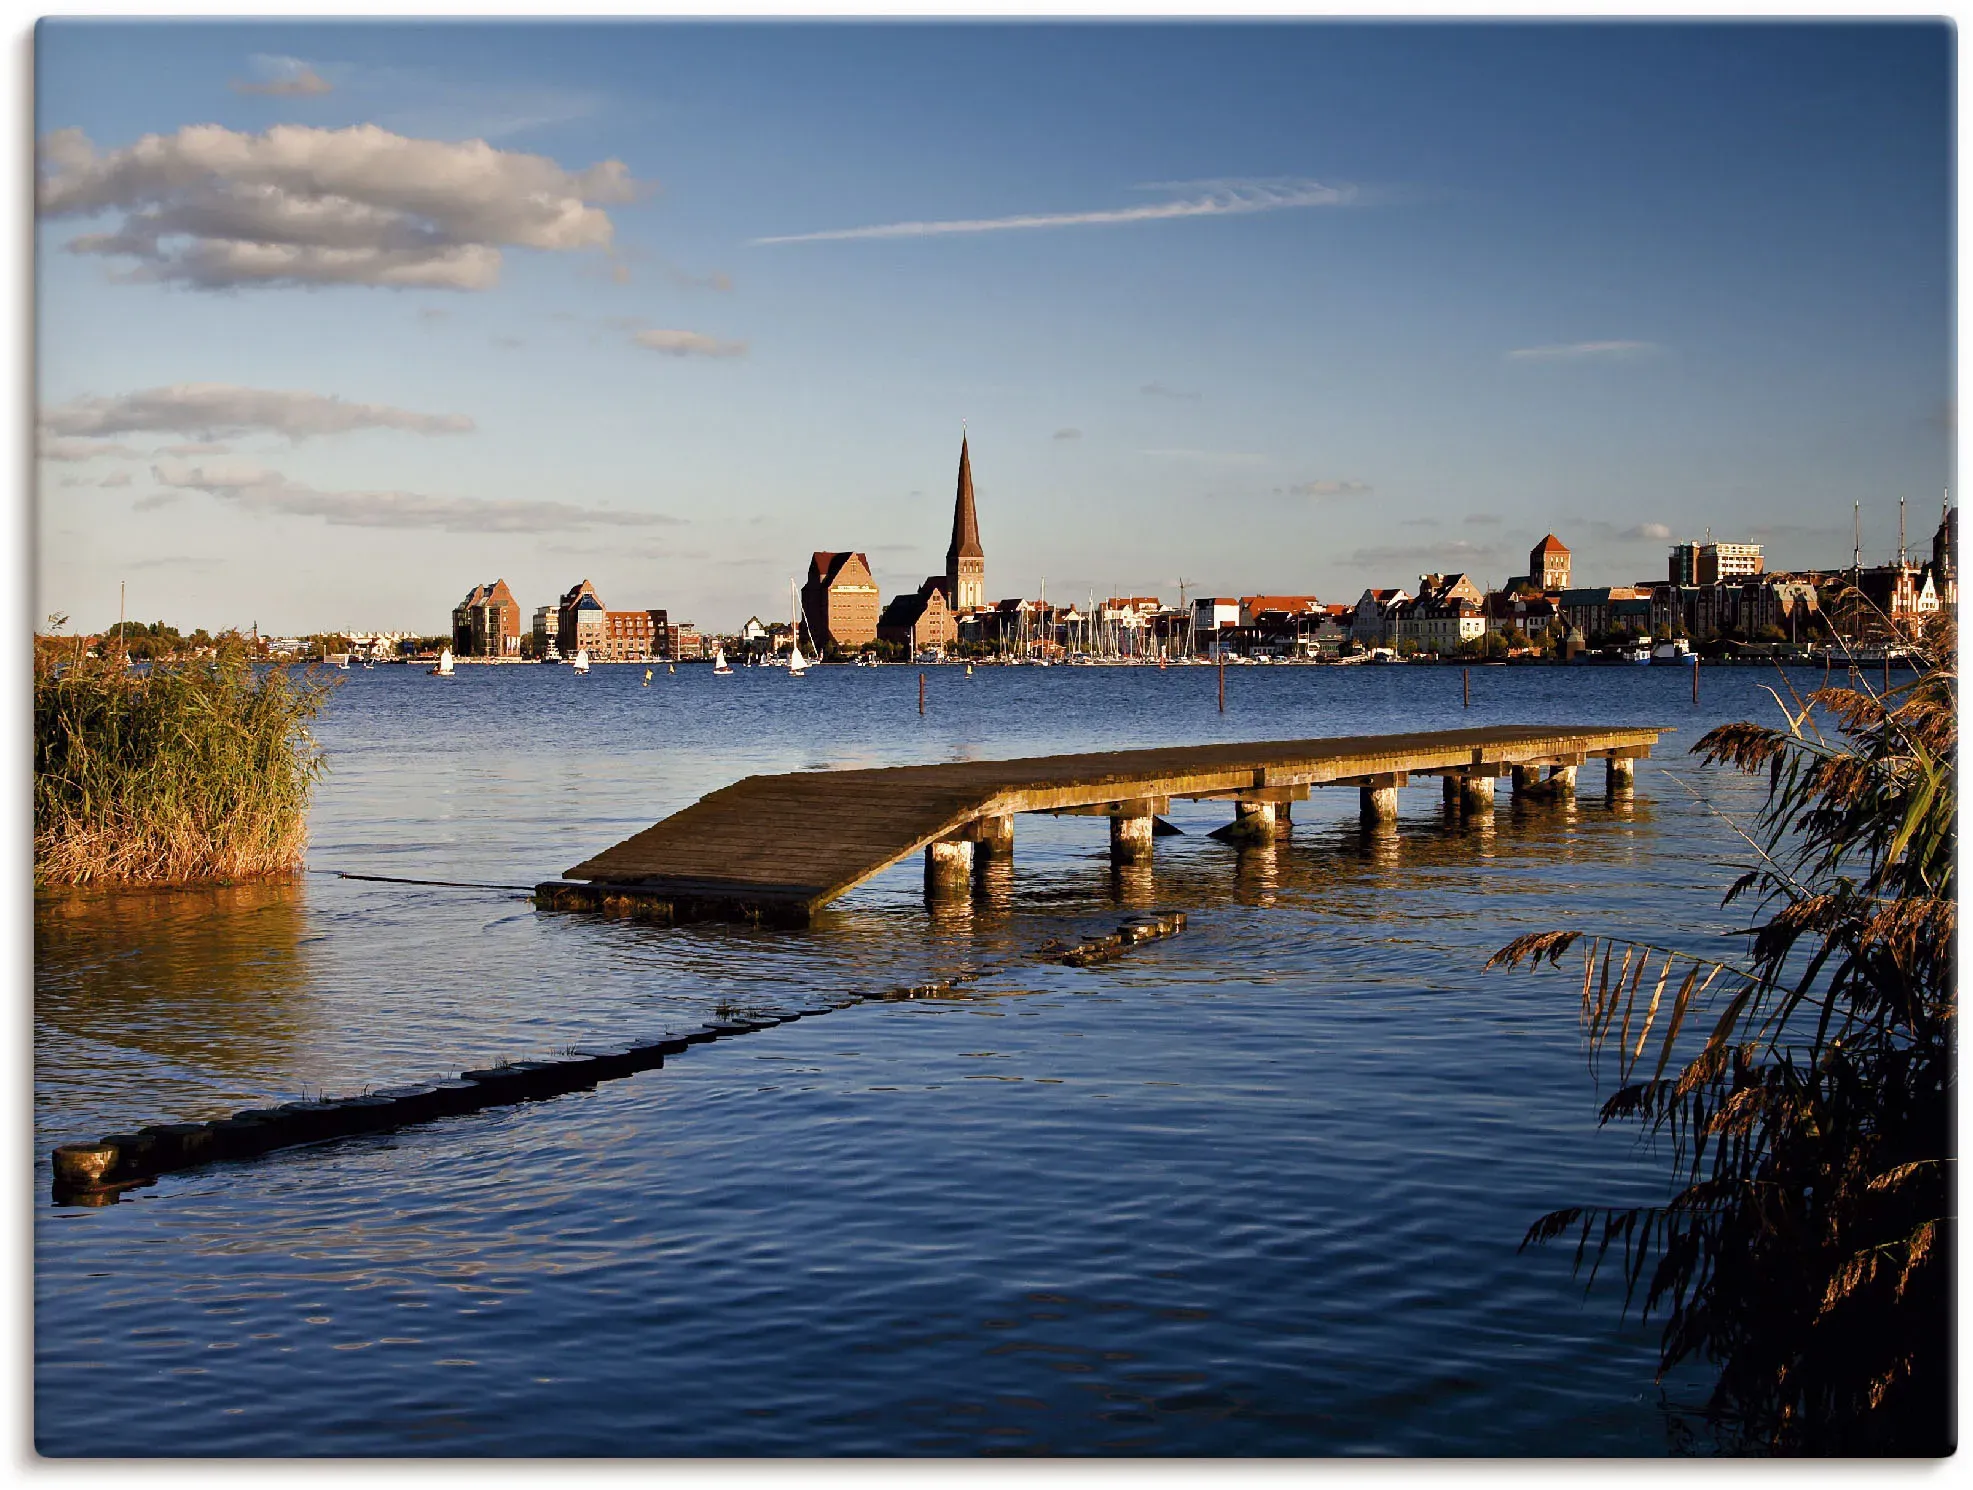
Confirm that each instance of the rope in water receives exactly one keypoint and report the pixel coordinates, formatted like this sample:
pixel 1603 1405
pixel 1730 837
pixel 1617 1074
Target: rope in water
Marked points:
pixel 391 879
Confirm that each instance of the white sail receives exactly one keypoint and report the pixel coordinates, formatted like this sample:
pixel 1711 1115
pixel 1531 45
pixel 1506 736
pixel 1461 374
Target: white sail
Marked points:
pixel 719 661
pixel 797 664
pixel 445 663
pixel 580 662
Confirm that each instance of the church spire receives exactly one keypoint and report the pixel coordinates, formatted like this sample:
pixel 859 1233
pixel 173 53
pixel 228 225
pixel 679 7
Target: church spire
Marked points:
pixel 965 522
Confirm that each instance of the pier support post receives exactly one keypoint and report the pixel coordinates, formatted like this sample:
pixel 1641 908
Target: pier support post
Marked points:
pixel 1476 793
pixel 1562 780
pixel 994 839
pixel 1253 822
pixel 1527 781
pixel 948 866
pixel 1378 804
pixel 1449 789
pixel 1622 774
pixel 1130 838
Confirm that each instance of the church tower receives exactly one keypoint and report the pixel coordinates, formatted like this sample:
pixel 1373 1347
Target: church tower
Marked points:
pixel 965 560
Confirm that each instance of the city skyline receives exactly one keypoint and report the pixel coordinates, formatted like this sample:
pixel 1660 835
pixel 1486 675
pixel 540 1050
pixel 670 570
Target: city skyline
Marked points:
pixel 1271 308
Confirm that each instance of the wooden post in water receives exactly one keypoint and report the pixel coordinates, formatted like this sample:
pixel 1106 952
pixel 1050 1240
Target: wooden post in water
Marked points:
pixel 921 693
pixel 1466 685
pixel 1887 667
pixel 1695 680
pixel 1222 682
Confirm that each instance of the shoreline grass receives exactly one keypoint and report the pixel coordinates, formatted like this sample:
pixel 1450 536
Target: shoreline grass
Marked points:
pixel 186 772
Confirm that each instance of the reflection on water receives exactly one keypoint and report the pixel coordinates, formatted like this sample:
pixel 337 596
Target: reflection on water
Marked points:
pixel 215 978
pixel 1254 1189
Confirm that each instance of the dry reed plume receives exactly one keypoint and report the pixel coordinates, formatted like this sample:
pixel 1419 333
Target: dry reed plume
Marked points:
pixel 189 771
pixel 1806 1250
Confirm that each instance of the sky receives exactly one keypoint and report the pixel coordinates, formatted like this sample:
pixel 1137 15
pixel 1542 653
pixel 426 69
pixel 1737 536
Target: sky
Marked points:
pixel 336 320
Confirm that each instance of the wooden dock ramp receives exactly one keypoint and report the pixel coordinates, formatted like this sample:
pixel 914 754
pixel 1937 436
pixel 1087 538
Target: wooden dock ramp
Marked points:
pixel 775 848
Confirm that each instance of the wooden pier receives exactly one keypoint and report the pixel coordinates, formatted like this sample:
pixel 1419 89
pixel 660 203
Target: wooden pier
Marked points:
pixel 776 848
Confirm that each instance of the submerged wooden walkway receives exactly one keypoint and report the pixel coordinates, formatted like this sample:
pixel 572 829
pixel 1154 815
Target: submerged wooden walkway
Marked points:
pixel 775 848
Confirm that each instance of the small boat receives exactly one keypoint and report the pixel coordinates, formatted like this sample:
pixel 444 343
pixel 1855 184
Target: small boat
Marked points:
pixel 719 667
pixel 647 677
pixel 669 668
pixel 580 662
pixel 866 659
pixel 797 664
pixel 444 668
pixel 1678 649
pixel 969 669
pixel 1640 653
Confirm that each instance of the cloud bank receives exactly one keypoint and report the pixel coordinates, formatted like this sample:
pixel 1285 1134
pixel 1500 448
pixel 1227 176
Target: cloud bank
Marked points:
pixel 287 77
pixel 256 488
pixel 1578 351
pixel 1647 530
pixel 1228 198
pixel 688 344
pixel 219 410
pixel 215 208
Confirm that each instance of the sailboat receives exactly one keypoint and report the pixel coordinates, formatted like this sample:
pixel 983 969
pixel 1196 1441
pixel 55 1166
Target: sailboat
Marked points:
pixel 647 677
pixel 719 667
pixel 580 662
pixel 797 664
pixel 444 668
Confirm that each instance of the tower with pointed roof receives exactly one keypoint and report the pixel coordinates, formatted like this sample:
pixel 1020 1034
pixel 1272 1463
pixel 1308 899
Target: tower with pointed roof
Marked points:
pixel 965 560
pixel 1548 564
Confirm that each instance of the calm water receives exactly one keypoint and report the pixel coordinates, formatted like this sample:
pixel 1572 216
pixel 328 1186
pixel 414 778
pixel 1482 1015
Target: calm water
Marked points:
pixel 1255 1190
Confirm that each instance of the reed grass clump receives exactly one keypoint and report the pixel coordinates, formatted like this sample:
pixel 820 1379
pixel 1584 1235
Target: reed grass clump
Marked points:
pixel 189 771
pixel 1806 1248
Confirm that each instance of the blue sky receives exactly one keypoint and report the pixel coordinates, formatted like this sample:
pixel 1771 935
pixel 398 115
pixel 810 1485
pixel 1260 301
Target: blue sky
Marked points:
pixel 1309 307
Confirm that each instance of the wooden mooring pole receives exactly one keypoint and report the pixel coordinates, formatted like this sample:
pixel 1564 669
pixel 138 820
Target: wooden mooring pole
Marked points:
pixel 1466 686
pixel 1695 680
pixel 921 693
pixel 1222 682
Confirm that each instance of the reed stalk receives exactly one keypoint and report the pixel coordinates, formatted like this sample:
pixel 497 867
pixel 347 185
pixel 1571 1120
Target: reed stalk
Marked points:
pixel 185 772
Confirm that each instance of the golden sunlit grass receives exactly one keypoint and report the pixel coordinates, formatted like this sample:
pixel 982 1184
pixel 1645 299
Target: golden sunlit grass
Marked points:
pixel 190 771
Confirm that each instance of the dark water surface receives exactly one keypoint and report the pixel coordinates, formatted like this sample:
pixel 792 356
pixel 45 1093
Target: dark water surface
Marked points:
pixel 1255 1190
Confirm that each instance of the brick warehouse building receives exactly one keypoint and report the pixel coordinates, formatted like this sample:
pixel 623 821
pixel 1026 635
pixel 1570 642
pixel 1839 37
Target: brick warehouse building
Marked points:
pixel 487 623
pixel 839 602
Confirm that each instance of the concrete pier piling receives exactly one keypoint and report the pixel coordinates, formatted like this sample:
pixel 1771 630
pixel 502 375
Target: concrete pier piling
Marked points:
pixel 1562 780
pixel 948 866
pixel 994 840
pixel 1527 780
pixel 1378 804
pixel 1130 838
pixel 1476 793
pixel 1254 823
pixel 1621 774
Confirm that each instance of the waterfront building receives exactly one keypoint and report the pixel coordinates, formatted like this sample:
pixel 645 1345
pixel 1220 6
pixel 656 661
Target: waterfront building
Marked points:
pixel 1745 607
pixel 1252 607
pixel 1370 623
pixel 1548 564
pixel 1684 567
pixel 920 620
pixel 1718 563
pixel 487 623
pixel 1531 615
pixel 1214 613
pixel 1945 558
pixel 965 561
pixel 1447 612
pixel 1602 609
pixel 546 628
pixel 578 619
pixel 839 601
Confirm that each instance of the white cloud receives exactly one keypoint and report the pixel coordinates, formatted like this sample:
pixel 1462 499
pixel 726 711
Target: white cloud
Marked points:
pixel 259 489
pixel 1209 199
pixel 1330 489
pixel 1067 434
pixel 1577 351
pixel 197 447
pixel 116 478
pixel 285 77
pixel 216 208
pixel 688 344
pixel 156 500
pixel 222 409
pixel 1443 557
pixel 52 447
pixel 1647 530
